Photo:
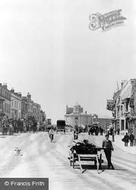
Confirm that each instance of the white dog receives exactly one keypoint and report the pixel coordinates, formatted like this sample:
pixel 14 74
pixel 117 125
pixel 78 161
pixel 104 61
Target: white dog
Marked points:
pixel 18 152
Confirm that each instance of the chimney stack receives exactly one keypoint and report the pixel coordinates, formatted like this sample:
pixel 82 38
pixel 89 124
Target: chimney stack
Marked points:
pixel 19 94
pixel 28 95
pixel 12 90
pixel 5 85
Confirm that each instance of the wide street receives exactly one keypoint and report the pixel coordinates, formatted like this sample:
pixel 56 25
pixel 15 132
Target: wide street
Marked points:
pixel 41 158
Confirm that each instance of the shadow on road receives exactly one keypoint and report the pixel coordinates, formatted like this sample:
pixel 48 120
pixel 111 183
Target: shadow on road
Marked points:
pixel 4 136
pixel 93 167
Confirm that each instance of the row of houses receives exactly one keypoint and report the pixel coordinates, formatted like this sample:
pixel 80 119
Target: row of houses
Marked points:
pixel 15 106
pixel 123 106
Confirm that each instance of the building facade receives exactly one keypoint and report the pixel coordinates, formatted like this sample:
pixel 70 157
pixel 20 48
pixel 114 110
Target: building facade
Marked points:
pixel 104 122
pixel 76 116
pixel 24 107
pixel 42 117
pixel 27 107
pixel 15 106
pixel 16 99
pixel 48 121
pixel 31 109
pixel 30 105
pixel 37 111
pixel 5 99
pixel 123 106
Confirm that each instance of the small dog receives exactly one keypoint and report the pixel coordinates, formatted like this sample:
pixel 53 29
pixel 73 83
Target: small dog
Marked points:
pixel 18 152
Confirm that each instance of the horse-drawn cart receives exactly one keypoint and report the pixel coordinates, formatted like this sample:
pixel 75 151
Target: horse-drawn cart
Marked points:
pixel 84 153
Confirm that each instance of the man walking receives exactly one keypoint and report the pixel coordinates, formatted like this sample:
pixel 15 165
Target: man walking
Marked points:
pixel 108 148
pixel 75 135
pixel 131 137
pixel 51 134
pixel 126 139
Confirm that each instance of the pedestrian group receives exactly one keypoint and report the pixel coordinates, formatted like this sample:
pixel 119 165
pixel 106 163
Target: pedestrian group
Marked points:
pixel 128 138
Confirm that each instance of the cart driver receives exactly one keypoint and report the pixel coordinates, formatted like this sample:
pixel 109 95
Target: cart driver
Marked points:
pixel 108 148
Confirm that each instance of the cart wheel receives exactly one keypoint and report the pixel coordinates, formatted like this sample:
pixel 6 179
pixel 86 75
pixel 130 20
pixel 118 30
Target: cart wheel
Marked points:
pixel 100 162
pixel 100 165
pixel 95 163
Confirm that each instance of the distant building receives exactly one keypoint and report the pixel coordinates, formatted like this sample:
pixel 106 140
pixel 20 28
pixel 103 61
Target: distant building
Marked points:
pixel 5 98
pixel 104 122
pixel 75 116
pixel 42 117
pixel 15 105
pixel 69 110
pixel 30 105
pixel 77 109
pixel 24 107
pixel 31 109
pixel 36 111
pixel 48 121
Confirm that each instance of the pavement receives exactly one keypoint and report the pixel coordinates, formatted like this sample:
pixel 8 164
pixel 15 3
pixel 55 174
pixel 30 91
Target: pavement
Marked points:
pixel 120 144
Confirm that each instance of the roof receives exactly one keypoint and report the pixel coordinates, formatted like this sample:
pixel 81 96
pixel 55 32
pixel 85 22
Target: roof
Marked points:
pixel 116 94
pixel 126 92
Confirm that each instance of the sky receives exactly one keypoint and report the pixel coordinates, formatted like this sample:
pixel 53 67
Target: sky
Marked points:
pixel 48 50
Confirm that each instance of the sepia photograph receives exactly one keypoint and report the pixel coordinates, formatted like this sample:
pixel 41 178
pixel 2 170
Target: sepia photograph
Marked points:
pixel 67 95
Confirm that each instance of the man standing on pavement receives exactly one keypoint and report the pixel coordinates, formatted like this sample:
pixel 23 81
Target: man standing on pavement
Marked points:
pixel 108 148
pixel 112 133
pixel 126 139
pixel 131 137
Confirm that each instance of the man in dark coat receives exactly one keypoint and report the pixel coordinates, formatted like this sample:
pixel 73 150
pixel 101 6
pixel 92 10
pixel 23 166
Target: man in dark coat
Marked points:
pixel 131 137
pixel 126 139
pixel 108 148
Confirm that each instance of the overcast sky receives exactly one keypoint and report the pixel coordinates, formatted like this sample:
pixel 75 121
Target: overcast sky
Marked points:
pixel 47 49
